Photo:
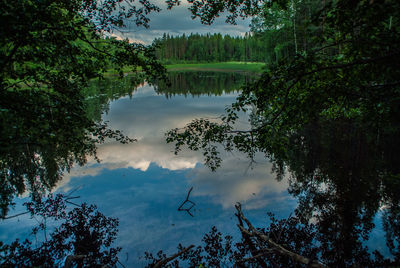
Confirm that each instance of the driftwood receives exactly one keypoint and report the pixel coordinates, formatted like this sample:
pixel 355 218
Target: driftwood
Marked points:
pixel 275 247
pixel 163 262
pixel 253 249
pixel 187 201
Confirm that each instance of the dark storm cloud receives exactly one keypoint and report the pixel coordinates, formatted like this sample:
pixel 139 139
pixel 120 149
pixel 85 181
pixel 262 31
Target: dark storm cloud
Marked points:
pixel 177 22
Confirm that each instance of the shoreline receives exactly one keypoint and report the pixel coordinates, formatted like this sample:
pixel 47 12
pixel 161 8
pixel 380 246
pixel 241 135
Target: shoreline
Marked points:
pixel 240 67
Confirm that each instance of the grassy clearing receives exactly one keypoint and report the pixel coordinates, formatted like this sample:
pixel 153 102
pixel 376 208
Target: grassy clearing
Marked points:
pixel 233 66
pixel 218 66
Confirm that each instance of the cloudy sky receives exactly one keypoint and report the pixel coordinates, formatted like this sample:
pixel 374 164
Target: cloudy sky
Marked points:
pixel 176 22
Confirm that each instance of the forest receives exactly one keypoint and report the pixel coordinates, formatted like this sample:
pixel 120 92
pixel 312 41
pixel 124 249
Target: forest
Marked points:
pixel 325 112
pixel 209 48
pixel 275 34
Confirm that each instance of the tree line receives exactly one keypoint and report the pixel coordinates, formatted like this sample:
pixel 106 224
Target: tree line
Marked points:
pixel 277 33
pixel 210 48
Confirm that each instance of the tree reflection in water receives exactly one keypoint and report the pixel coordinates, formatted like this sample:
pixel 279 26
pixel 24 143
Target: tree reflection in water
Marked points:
pixel 344 173
pixel 43 134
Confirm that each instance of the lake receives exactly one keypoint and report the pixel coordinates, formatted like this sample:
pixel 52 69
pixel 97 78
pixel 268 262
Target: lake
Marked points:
pixel 144 183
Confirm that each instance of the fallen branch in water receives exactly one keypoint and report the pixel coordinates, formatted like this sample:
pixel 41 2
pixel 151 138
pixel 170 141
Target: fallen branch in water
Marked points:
pixel 187 201
pixel 14 216
pixel 66 199
pixel 166 260
pixel 254 233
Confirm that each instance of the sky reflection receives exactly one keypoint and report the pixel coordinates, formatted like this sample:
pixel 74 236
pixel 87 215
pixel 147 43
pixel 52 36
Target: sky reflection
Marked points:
pixel 144 183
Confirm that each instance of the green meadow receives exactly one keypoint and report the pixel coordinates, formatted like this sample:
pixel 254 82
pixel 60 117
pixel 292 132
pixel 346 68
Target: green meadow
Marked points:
pixel 232 66
pixel 218 66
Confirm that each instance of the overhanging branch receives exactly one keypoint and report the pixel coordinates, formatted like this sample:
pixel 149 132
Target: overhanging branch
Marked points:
pixel 253 232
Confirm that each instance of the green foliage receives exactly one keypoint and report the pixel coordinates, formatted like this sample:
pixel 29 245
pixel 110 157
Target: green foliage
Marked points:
pixel 347 74
pixel 326 113
pixel 207 11
pixel 49 50
pixel 202 134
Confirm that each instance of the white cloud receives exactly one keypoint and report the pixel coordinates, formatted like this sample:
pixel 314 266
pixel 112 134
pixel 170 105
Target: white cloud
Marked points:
pixel 235 181
pixel 147 117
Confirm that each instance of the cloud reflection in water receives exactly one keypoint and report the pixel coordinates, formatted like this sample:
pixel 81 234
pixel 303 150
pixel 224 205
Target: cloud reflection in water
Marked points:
pixel 148 116
pixel 144 183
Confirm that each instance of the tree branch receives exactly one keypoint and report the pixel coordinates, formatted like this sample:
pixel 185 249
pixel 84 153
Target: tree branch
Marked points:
pixel 251 231
pixel 14 216
pixel 350 64
pixel 187 201
pixel 10 56
pixel 166 260
pixel 326 68
pixel 264 252
pixel 247 238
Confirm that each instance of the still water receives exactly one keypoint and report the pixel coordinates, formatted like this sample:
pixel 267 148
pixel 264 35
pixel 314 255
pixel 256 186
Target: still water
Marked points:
pixel 143 183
